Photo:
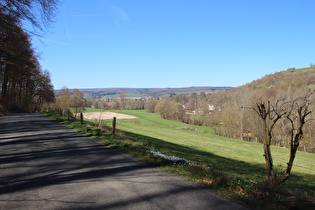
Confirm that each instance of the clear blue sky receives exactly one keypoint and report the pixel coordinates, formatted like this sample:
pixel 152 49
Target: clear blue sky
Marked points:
pixel 176 43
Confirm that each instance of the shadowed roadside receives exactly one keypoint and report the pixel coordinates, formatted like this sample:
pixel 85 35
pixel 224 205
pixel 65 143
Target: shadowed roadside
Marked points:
pixel 46 165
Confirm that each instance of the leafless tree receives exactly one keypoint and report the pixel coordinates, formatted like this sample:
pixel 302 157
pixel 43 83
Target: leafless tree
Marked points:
pixel 40 13
pixel 63 101
pixel 123 100
pixel 296 112
pixel 269 114
pixel 77 102
pixel 150 105
pixel 301 108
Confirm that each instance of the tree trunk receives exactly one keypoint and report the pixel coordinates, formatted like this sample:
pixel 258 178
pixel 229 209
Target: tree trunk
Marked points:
pixel 4 84
pixel 268 157
pixel 294 146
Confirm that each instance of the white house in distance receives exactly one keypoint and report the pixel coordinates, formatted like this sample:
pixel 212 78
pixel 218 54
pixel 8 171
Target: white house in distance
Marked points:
pixel 199 111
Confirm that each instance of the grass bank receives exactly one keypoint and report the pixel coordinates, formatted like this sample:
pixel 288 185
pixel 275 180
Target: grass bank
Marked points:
pixel 231 167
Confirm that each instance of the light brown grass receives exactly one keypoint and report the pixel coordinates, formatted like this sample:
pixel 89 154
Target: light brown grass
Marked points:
pixel 106 116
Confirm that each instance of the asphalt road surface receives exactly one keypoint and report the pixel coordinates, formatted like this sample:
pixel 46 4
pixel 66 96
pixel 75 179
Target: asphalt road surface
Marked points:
pixel 44 165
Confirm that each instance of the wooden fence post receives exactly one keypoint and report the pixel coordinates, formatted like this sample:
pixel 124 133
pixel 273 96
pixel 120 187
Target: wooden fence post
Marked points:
pixel 114 127
pixel 68 114
pixel 81 114
pixel 100 125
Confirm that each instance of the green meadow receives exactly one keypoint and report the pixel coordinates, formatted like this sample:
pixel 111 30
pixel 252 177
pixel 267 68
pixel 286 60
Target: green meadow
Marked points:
pixel 233 157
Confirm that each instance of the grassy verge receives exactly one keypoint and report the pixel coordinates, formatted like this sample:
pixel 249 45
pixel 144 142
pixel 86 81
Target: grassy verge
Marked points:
pixel 302 69
pixel 230 167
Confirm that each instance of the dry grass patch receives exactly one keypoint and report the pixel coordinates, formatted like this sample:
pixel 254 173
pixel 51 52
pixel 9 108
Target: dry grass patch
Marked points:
pixel 106 116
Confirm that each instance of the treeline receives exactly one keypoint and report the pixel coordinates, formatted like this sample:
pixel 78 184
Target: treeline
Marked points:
pixel 193 109
pixel 231 113
pixel 75 102
pixel 68 103
pixel 24 85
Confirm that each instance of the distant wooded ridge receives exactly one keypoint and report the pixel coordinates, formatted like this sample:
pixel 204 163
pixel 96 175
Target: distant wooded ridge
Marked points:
pixel 95 93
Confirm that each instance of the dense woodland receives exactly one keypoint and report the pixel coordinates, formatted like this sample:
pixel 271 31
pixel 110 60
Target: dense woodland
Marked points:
pixel 24 85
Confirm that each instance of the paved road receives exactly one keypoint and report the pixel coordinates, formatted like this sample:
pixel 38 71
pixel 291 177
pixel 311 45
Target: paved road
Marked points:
pixel 44 165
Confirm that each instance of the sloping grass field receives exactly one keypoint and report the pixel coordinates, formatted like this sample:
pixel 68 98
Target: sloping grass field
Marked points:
pixel 302 69
pixel 240 163
pixel 233 157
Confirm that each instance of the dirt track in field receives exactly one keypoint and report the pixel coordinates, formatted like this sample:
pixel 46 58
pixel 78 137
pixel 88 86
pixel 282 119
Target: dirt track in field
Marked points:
pixel 106 116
